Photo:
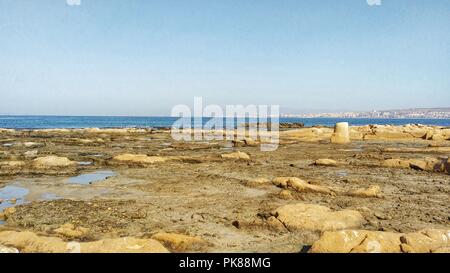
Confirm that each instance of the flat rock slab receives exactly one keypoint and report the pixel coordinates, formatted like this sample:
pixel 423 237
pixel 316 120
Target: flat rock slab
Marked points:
pixel 317 218
pixel 364 241
pixel 29 242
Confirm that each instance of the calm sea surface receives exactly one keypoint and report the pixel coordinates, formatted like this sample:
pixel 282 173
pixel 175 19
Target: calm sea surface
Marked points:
pixel 46 122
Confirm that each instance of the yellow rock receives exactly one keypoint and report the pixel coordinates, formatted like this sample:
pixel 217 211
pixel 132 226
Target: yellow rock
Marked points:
pixel 325 162
pixel 179 242
pixel 257 182
pixel 372 191
pixel 427 240
pixel 12 164
pixel 49 162
pixel 396 163
pixel 317 218
pixel 237 155
pixel 285 194
pixel 9 211
pixel 70 231
pixel 299 185
pixel 29 242
pixel 139 159
pixel 364 241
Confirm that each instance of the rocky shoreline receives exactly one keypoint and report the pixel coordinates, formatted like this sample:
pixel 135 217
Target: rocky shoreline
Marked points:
pixel 349 189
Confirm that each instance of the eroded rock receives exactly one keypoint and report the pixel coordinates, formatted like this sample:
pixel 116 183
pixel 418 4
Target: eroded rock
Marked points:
pixel 139 159
pixel 70 231
pixel 325 162
pixel 317 218
pixel 29 242
pixel 299 185
pixel 427 164
pixel 49 162
pixel 363 241
pixel 372 191
pixel 179 242
pixel 236 156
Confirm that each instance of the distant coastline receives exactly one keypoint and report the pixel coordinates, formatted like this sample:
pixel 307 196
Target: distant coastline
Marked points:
pixel 413 113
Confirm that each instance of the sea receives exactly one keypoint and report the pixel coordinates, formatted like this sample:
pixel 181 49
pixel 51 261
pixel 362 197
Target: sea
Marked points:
pixel 52 122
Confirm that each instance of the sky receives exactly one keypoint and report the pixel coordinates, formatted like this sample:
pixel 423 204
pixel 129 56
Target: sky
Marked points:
pixel 143 57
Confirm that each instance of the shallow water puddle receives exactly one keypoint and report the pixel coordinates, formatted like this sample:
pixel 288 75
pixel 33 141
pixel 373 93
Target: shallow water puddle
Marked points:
pixel 89 178
pixel 10 193
pixel 11 196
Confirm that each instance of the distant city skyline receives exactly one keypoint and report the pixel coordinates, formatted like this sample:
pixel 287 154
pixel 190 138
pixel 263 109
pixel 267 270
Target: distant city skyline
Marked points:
pixel 143 57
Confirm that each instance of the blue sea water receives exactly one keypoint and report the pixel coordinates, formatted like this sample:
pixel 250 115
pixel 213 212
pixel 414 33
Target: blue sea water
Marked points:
pixel 48 122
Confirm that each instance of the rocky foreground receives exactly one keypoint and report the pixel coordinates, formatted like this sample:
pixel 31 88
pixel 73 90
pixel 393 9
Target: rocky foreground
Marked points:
pixel 358 189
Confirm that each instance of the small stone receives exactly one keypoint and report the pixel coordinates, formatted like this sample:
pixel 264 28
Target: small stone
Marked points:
pixel 9 211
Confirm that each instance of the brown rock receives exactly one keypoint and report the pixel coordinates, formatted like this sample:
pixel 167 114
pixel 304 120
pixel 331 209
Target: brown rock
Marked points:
pixel 299 185
pixel 29 242
pixel 179 242
pixel 317 218
pixel 49 162
pixel 257 182
pixel 70 231
pixel 9 211
pixel 372 191
pixel 12 164
pixel 325 162
pixel 236 156
pixel 139 159
pixel 426 240
pixel 363 241
pixel 285 194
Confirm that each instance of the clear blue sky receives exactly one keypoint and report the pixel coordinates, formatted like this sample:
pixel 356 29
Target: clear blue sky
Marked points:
pixel 116 57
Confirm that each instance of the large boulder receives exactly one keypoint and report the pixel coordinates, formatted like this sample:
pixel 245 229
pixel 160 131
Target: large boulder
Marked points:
pixel 50 162
pixel 299 185
pixel 341 133
pixel 29 242
pixel 317 218
pixel 364 241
